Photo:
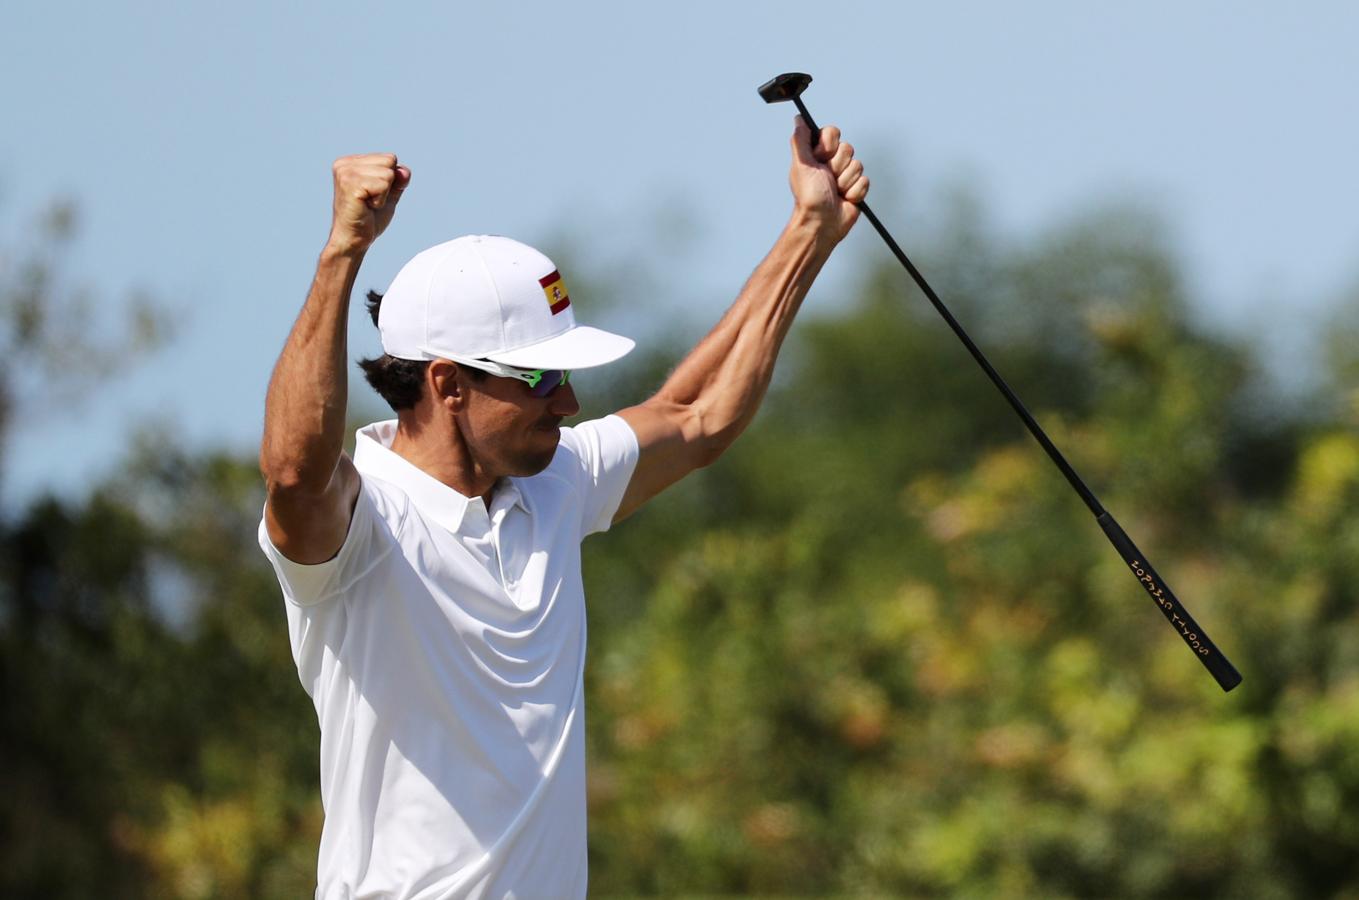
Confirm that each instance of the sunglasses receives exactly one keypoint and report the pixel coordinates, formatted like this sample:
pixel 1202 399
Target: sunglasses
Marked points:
pixel 541 382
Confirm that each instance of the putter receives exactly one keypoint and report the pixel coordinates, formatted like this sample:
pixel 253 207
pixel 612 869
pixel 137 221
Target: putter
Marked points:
pixel 790 86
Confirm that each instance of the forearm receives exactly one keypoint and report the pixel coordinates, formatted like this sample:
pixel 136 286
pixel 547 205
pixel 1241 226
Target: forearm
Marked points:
pixel 722 382
pixel 304 418
pixel 714 393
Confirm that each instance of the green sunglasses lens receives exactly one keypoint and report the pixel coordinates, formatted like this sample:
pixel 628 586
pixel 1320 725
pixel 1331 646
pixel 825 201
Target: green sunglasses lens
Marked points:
pixel 545 381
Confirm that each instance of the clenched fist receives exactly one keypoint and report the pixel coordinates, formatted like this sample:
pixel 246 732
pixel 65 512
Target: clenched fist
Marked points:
pixel 827 180
pixel 367 189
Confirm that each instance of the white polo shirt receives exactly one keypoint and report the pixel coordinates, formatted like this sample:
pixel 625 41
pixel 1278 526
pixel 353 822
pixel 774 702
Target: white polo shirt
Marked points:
pixel 443 648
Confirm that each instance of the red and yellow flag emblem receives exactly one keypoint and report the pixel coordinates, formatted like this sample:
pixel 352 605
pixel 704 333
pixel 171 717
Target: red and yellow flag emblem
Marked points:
pixel 555 290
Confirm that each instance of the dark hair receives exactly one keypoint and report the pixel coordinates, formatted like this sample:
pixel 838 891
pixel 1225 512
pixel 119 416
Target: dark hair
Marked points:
pixel 398 381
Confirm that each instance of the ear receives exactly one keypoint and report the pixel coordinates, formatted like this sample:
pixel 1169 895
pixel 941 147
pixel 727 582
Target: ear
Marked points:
pixel 446 384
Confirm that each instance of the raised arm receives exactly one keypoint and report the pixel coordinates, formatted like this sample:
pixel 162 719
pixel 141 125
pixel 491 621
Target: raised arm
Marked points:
pixel 312 485
pixel 714 393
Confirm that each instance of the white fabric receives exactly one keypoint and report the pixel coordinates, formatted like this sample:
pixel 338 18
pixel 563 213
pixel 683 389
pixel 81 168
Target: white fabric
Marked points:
pixel 443 648
pixel 489 297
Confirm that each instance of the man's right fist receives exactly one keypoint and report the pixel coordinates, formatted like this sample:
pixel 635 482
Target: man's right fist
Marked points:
pixel 367 188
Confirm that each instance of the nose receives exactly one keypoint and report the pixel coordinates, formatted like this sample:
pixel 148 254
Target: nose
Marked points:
pixel 563 401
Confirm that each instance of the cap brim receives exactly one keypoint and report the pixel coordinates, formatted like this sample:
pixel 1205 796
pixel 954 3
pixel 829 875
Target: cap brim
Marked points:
pixel 580 348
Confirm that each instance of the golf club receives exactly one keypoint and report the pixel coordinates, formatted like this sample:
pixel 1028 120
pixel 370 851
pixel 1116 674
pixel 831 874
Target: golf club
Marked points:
pixel 790 86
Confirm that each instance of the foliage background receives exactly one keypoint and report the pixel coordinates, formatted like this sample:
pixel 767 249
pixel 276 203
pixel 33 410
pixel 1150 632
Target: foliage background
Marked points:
pixel 878 649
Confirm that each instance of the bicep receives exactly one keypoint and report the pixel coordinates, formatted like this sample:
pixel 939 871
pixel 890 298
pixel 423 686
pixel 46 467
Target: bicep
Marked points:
pixel 311 528
pixel 670 446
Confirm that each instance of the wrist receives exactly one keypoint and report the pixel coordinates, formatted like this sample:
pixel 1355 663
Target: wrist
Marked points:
pixel 812 228
pixel 342 252
pixel 338 267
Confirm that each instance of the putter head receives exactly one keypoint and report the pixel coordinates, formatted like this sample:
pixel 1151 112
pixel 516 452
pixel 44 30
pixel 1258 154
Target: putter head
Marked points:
pixel 784 87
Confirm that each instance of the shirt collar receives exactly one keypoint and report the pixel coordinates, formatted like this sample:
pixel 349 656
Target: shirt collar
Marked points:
pixel 373 456
pixel 507 491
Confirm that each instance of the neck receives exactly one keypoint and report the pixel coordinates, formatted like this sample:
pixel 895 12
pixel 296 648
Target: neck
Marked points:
pixel 443 457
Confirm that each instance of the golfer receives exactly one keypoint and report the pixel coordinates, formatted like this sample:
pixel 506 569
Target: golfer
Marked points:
pixel 433 582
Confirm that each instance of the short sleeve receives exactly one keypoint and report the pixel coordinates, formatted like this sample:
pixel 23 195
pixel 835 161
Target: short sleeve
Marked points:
pixel 306 585
pixel 605 452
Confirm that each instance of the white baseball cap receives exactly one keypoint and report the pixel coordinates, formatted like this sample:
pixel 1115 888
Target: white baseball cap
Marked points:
pixel 489 297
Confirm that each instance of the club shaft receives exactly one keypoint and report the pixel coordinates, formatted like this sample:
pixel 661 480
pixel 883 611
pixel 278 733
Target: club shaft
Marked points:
pixel 1194 637
pixel 1030 422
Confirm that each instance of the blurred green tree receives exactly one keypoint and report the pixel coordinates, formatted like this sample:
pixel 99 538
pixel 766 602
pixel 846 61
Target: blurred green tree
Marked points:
pixel 895 656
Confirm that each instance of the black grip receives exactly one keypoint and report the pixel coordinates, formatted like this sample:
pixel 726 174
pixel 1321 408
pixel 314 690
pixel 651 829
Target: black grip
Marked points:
pixel 1217 665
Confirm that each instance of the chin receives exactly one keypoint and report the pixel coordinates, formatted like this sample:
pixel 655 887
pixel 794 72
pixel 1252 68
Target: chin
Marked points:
pixel 534 461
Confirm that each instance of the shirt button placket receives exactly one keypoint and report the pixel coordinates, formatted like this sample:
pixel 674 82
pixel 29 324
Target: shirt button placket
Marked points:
pixel 506 581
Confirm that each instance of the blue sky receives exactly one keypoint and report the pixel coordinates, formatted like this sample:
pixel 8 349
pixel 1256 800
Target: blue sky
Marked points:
pixel 197 141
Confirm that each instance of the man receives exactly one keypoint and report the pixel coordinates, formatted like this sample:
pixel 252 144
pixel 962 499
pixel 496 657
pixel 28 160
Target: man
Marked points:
pixel 432 583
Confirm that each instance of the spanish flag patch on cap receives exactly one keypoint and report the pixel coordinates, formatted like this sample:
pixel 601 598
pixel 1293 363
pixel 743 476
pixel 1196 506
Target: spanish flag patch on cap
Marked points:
pixel 555 290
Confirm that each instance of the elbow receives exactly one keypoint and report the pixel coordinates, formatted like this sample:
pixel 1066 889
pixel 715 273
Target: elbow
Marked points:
pixel 284 475
pixel 707 454
pixel 710 449
pixel 274 465
pixel 280 478
pixel 709 439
